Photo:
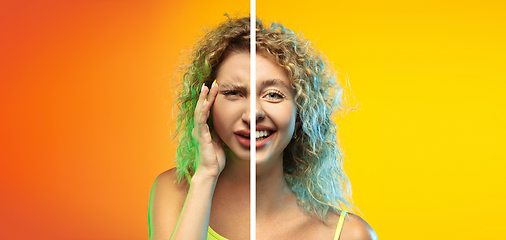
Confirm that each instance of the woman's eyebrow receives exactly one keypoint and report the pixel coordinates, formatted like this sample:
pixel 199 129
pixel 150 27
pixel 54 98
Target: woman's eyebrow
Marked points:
pixel 235 86
pixel 266 83
pixel 274 81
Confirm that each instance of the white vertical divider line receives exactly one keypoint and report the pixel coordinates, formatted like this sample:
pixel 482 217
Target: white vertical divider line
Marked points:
pixel 253 120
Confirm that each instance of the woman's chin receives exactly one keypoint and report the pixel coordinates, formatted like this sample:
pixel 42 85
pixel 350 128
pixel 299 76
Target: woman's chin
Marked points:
pixel 239 156
pixel 263 161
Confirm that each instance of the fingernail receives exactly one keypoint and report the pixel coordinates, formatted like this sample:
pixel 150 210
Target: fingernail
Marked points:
pixel 202 89
pixel 214 83
pixel 205 102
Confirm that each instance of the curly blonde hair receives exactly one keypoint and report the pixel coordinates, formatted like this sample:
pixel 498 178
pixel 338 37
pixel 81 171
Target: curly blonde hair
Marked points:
pixel 312 161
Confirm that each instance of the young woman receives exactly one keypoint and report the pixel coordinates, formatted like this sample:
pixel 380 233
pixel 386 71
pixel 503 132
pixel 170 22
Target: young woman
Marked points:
pixel 302 190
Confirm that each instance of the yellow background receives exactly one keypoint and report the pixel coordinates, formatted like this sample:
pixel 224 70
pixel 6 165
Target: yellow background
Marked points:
pixel 425 152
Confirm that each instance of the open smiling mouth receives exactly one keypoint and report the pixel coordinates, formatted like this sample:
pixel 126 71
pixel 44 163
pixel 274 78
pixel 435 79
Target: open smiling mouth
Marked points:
pixel 262 138
pixel 260 135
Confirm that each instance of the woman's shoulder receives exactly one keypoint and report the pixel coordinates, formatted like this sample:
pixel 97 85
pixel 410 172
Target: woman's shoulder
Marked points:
pixel 165 203
pixel 167 195
pixel 355 227
pixel 166 184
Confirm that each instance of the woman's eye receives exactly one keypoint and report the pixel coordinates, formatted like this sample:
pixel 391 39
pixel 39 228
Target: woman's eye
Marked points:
pixel 275 95
pixel 231 93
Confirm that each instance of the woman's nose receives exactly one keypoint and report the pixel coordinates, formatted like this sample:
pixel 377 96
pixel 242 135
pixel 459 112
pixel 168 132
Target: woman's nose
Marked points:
pixel 259 113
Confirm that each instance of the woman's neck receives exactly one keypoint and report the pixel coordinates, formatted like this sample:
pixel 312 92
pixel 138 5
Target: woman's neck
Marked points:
pixel 273 195
pixel 236 170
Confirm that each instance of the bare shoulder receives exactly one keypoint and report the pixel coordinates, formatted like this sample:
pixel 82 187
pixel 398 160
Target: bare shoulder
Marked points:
pixel 166 183
pixel 355 227
pixel 165 203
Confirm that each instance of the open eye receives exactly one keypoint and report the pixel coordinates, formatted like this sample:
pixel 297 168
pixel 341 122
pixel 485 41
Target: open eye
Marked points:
pixel 276 95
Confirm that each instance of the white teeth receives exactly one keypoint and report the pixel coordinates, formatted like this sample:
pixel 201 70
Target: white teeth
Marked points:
pixel 261 134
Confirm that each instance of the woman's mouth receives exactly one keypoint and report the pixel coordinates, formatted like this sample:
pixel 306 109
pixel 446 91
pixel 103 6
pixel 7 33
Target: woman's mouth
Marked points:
pixel 260 135
pixel 262 138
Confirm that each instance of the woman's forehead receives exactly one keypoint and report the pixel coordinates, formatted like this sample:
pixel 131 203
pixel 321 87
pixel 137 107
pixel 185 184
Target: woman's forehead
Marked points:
pixel 235 72
pixel 260 83
pixel 231 84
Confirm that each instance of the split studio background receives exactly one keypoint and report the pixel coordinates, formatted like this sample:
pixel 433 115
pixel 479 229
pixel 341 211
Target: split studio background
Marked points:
pixel 85 103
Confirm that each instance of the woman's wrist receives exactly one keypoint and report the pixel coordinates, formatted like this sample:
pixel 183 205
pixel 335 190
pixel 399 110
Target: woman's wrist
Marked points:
pixel 204 176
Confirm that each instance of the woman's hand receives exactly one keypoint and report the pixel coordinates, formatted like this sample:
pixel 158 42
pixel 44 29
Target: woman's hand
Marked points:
pixel 177 212
pixel 211 156
pixel 169 218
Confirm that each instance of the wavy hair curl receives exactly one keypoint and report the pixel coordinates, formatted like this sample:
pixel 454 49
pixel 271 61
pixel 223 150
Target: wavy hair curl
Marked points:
pixel 312 161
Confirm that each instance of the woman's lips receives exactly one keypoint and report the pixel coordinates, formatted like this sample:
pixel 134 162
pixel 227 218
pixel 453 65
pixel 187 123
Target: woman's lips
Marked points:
pixel 261 143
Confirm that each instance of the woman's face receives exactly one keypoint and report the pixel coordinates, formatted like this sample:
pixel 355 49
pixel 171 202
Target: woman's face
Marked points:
pixel 274 97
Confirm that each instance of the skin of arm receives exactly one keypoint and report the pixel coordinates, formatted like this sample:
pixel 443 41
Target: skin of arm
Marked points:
pixel 173 214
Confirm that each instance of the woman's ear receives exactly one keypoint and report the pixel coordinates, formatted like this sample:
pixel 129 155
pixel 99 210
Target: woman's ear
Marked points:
pixel 298 126
pixel 298 123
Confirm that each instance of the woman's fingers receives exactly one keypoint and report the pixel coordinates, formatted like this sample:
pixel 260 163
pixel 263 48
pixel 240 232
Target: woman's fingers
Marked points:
pixel 212 95
pixel 210 155
pixel 205 111
pixel 198 111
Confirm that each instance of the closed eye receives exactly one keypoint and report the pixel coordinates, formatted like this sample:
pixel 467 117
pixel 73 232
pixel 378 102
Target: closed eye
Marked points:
pixel 231 93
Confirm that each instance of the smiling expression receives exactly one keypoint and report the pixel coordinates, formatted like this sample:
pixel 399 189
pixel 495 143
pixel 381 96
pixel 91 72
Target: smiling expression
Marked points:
pixel 231 110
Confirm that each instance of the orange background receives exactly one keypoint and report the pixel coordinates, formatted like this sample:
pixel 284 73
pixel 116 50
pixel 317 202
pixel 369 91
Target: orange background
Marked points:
pixel 85 91
pixel 85 111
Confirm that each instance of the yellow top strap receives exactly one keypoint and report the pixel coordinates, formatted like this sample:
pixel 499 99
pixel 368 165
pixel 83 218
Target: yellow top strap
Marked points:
pixel 340 224
pixel 212 235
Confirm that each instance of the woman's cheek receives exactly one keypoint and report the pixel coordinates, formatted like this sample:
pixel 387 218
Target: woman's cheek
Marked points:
pixel 221 116
pixel 285 114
